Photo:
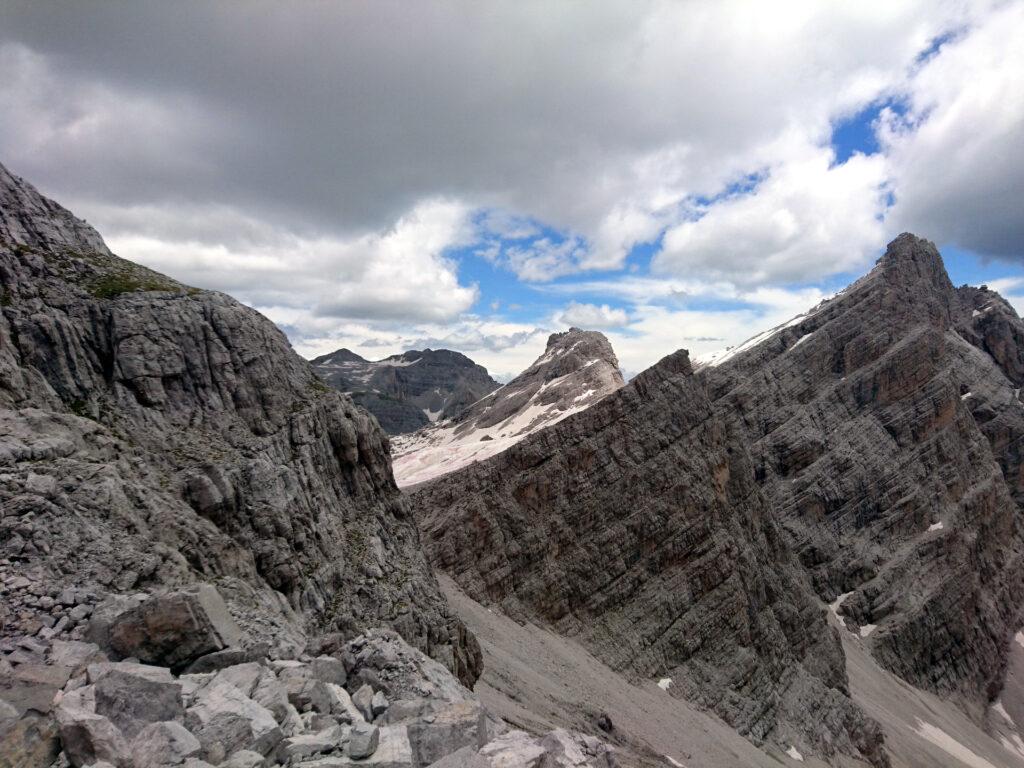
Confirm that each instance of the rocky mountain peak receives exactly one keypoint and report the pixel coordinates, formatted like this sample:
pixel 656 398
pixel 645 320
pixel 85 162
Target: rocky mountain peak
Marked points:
pixel 577 369
pixel 910 260
pixel 29 219
pixel 408 390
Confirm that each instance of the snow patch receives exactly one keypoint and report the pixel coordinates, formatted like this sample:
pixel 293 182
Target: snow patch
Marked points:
pixel 835 604
pixel 665 683
pixel 432 415
pixel 674 762
pixel 793 753
pixel 950 746
pixel 936 526
pixel 801 340
pixel 584 395
pixel 867 629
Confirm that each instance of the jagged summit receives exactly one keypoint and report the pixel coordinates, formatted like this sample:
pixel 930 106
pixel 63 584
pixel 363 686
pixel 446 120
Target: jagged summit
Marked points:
pixel 577 369
pixel 29 219
pixel 409 390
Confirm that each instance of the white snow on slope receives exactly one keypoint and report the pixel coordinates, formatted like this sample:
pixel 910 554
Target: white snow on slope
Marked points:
pixel 793 753
pixel 665 683
pixel 674 762
pixel 936 526
pixel 867 629
pixel 423 456
pixel 951 746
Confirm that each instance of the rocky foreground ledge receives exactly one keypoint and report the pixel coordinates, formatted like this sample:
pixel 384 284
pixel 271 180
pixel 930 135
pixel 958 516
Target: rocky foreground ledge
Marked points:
pixel 169 679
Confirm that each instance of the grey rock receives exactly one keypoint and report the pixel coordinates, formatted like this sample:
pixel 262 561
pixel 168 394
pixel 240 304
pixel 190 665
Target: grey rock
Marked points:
pixel 379 704
pixel 244 759
pixel 328 669
pixel 176 628
pixel 515 749
pixel 225 721
pixel 163 744
pixel 133 701
pixel 308 744
pixel 363 740
pixel 466 757
pixel 87 738
pixel 306 694
pixel 363 701
pixel 75 655
pixel 410 390
pixel 457 725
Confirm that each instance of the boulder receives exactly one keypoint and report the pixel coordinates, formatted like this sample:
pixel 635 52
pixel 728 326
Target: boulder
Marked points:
pixel 75 654
pixel 307 694
pixel 28 742
pixel 379 704
pixel 225 721
pixel 363 700
pixel 462 724
pixel 515 749
pixel 163 744
pixel 363 740
pixel 244 677
pixel 328 669
pixel 88 737
pixel 175 629
pixel 306 745
pixel 341 704
pixel 393 751
pixel 465 757
pixel 133 701
pixel 243 759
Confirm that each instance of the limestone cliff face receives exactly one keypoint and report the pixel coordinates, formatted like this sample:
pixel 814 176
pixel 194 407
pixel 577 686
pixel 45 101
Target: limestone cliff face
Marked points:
pixel 638 527
pixel 886 430
pixel 694 524
pixel 152 434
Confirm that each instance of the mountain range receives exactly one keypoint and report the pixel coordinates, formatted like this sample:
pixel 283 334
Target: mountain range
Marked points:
pixel 407 391
pixel 806 550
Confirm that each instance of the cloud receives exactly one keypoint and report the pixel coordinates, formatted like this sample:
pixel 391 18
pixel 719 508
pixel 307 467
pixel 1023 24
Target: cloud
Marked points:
pixel 805 220
pixel 398 274
pixel 956 153
pixel 591 316
pixel 332 179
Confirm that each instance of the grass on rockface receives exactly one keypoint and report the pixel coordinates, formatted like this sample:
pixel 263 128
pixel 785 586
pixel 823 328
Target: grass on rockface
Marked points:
pixel 113 285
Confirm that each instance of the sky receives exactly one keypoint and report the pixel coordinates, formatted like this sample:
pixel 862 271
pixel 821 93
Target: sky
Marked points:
pixel 389 175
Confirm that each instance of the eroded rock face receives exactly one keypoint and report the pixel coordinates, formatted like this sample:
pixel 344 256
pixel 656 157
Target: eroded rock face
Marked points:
pixel 866 454
pixel 637 526
pixel 410 390
pixel 885 427
pixel 153 435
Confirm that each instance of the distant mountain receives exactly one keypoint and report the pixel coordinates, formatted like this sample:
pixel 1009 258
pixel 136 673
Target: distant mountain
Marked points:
pixel 407 391
pixel 577 369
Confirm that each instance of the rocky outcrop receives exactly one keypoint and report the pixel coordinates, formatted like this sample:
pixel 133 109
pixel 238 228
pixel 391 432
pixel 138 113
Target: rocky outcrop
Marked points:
pixel 885 427
pixel 866 454
pixel 256 714
pixel 154 435
pixel 407 391
pixel 577 369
